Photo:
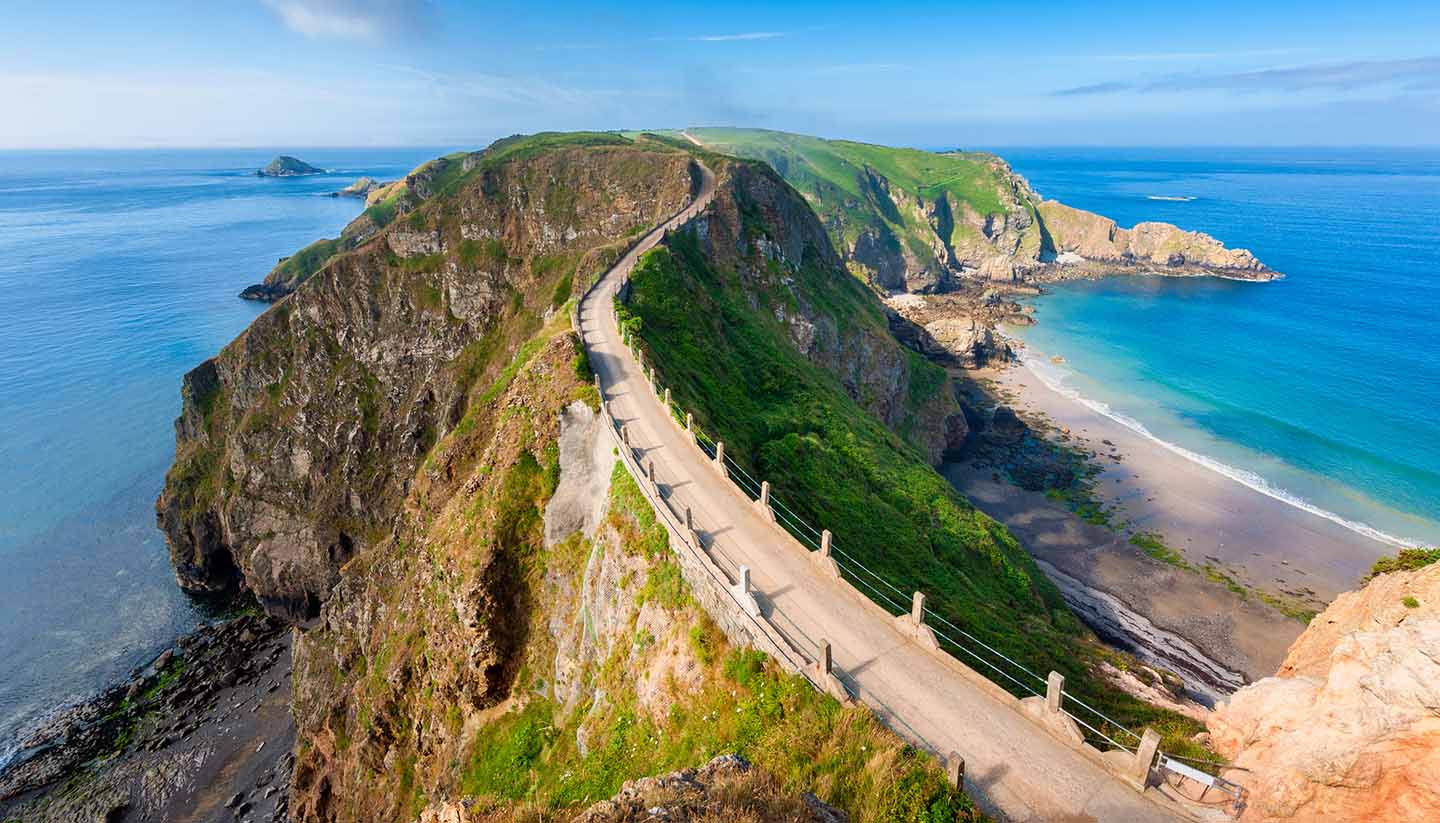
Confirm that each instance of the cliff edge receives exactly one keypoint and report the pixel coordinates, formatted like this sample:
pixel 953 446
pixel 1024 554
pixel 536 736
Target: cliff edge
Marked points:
pixel 1349 728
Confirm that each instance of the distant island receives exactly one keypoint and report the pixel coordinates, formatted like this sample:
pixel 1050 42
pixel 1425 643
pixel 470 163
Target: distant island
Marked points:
pixel 287 166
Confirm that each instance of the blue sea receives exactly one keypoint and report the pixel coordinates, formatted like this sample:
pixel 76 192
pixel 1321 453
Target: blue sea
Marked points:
pixel 1322 389
pixel 120 272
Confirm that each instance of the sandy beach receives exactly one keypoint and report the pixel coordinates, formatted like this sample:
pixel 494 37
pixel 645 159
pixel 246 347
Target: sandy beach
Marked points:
pixel 1261 541
pixel 1216 638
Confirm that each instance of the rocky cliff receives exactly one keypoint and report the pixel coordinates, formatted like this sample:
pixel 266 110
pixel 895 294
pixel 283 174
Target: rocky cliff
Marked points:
pixel 402 454
pixel 1349 728
pixel 964 226
pixel 297 443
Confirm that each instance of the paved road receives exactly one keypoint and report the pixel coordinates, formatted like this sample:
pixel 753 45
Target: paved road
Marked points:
pixel 1014 769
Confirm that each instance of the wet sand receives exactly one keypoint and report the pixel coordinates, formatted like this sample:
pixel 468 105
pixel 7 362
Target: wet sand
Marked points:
pixel 1263 542
pixel 1215 638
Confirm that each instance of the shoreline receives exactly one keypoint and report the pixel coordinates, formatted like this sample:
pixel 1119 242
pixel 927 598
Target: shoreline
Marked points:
pixel 1208 595
pixel 1263 541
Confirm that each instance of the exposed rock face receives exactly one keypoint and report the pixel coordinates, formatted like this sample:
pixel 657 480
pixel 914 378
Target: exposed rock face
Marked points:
pixel 1152 246
pixel 297 442
pixel 1349 729
pixel 726 788
pixel 286 166
pixel 758 226
pixel 360 188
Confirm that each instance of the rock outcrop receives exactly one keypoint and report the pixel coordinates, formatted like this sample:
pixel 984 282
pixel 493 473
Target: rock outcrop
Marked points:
pixel 361 188
pixel 286 166
pixel 726 788
pixel 1153 247
pixel 1349 728
pixel 297 443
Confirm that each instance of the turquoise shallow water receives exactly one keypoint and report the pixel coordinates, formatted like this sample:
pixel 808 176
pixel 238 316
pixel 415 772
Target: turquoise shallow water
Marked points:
pixel 120 271
pixel 1322 389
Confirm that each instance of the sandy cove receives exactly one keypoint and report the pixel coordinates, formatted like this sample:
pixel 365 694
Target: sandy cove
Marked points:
pixel 1213 636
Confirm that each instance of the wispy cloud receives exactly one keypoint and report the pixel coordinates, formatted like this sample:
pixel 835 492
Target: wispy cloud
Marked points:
pixel 730 38
pixel 1407 74
pixel 1180 56
pixel 366 20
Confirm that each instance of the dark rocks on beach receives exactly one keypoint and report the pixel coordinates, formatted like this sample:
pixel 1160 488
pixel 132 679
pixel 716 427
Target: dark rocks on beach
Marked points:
pixel 1006 425
pixel 154 748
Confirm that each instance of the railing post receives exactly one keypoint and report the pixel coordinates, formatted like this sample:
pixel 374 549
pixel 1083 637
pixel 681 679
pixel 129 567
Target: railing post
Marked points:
pixel 917 609
pixel 955 770
pixel 650 472
pixel 825 663
pixel 825 539
pixel 742 593
pixel 689 523
pixel 1054 688
pixel 625 433
pixel 763 504
pixel 667 399
pixel 1139 772
pixel 720 458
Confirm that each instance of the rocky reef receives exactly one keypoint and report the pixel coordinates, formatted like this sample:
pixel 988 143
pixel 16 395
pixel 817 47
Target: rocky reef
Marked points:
pixel 286 166
pixel 1349 728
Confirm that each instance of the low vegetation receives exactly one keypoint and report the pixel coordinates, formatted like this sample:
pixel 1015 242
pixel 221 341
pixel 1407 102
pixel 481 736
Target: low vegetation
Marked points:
pixel 788 421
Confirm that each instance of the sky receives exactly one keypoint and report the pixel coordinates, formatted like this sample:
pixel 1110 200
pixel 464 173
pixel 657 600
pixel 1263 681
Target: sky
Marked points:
pixel 298 73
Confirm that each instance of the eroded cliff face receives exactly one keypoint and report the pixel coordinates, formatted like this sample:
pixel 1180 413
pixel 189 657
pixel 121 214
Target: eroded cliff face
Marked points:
pixel 759 228
pixel 1349 728
pixel 298 442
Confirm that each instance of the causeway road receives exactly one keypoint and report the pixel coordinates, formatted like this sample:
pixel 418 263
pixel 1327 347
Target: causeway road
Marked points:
pixel 1014 768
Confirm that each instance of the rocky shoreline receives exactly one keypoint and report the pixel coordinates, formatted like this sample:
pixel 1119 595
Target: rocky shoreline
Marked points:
pixel 203 732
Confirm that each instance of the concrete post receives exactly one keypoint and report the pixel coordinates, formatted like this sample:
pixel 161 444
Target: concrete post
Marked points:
pixel 624 434
pixel 825 543
pixel 917 609
pixel 825 663
pixel 1054 686
pixel 667 399
pixel 650 471
pixel 955 770
pixel 689 523
pixel 765 493
pixel 1139 772
pixel 720 458
pixel 599 387
pixel 744 582
pixel 690 423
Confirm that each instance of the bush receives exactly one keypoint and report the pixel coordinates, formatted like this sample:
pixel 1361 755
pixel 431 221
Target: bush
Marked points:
pixel 1407 560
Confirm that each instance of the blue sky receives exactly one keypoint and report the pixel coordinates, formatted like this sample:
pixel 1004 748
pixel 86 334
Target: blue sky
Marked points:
pixel 296 73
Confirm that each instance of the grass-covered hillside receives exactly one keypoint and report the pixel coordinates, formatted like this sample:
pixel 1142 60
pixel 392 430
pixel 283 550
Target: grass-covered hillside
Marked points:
pixel 905 219
pixel 715 325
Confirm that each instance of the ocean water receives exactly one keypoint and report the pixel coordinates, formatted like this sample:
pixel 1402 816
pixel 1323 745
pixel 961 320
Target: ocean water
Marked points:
pixel 120 272
pixel 1322 389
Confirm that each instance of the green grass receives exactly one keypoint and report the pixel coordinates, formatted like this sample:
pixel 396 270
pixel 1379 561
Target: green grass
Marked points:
pixel 1406 560
pixel 789 422
pixel 298 267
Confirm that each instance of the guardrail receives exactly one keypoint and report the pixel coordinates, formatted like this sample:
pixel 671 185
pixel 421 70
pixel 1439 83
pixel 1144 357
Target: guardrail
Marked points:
pixel 802 654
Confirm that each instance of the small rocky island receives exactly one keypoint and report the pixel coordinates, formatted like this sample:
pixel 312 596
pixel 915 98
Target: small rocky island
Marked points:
pixel 360 188
pixel 286 166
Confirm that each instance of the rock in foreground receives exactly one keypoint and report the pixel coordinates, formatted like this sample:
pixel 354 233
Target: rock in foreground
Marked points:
pixel 1350 727
pixel 360 188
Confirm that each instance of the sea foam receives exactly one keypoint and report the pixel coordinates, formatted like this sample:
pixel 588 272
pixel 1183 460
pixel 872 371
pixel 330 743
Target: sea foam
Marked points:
pixel 1054 378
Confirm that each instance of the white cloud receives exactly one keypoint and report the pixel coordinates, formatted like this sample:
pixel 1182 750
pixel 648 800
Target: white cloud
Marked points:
pixel 728 38
pixel 367 20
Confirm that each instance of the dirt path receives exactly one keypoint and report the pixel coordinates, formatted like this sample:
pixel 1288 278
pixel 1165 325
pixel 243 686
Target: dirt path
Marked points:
pixel 1014 768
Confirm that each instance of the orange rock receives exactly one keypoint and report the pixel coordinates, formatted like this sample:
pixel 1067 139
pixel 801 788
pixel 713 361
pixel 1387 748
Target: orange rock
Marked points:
pixel 1349 729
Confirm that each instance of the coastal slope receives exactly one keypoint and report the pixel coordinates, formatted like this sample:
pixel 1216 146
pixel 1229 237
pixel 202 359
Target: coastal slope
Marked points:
pixel 909 220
